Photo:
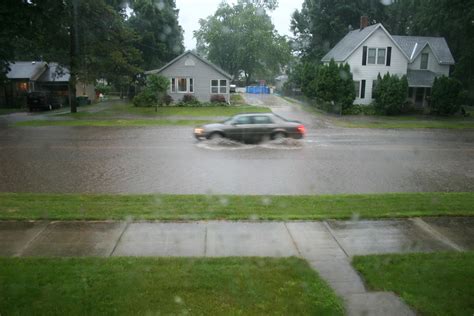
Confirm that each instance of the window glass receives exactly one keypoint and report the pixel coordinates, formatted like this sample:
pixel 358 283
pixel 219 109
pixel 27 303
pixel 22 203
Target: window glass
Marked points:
pixel 191 85
pixel 381 56
pixel 214 83
pixel 357 88
pixel 182 85
pixel 424 61
pixel 371 55
pixel 173 85
pixel 242 120
pixel 262 120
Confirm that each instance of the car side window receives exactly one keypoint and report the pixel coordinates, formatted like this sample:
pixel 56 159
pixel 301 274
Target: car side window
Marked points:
pixel 242 120
pixel 262 119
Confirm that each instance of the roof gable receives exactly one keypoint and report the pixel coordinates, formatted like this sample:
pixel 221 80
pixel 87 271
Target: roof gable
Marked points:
pixel 157 71
pixel 26 70
pixel 414 45
pixel 353 40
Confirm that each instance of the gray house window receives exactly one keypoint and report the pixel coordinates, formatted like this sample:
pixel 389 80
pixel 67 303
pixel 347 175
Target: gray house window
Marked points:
pixel 182 85
pixel 424 61
pixel 218 86
pixel 376 56
pixel 173 85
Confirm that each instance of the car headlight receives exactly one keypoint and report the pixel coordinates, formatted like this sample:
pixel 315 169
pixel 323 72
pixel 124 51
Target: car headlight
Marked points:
pixel 198 130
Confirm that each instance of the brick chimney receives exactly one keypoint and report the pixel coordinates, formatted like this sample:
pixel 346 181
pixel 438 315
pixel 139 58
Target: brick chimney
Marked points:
pixel 364 22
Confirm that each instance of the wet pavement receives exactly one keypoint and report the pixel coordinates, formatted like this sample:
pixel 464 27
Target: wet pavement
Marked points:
pixel 169 160
pixel 328 246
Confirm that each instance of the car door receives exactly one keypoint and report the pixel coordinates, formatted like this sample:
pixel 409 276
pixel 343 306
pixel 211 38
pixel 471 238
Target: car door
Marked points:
pixel 239 128
pixel 262 126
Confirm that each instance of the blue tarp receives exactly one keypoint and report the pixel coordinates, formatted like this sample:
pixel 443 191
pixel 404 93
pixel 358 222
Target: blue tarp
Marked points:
pixel 258 89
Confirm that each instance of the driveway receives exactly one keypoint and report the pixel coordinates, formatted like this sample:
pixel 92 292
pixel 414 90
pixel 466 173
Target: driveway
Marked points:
pixel 168 160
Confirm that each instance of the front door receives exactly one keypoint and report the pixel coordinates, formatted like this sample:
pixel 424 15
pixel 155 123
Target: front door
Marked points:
pixel 419 96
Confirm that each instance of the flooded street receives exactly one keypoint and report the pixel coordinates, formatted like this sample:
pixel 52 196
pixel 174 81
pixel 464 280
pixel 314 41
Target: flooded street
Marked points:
pixel 170 160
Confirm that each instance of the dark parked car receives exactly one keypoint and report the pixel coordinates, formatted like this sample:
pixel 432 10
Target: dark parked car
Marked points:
pixel 42 101
pixel 252 128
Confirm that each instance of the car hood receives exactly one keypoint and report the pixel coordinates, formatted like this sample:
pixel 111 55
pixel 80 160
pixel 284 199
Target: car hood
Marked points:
pixel 213 126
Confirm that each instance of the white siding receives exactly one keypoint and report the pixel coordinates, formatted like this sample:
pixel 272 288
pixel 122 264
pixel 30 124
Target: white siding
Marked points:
pixel 433 64
pixel 368 72
pixel 191 67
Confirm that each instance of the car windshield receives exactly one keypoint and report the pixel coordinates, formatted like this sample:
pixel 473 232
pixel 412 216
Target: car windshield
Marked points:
pixel 237 157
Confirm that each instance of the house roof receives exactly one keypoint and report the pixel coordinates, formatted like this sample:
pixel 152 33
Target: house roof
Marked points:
pixel 55 73
pixel 349 43
pixel 26 70
pixel 420 78
pixel 156 71
pixel 413 45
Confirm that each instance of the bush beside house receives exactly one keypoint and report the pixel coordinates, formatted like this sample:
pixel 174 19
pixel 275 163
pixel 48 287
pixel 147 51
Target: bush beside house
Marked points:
pixel 390 94
pixel 447 96
pixel 154 93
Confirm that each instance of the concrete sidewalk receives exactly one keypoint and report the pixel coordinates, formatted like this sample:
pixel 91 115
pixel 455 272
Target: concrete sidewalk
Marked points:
pixel 328 246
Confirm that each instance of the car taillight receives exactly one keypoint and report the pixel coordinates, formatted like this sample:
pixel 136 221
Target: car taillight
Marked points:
pixel 301 129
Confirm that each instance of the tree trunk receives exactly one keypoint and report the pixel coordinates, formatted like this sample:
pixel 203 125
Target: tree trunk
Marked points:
pixel 73 49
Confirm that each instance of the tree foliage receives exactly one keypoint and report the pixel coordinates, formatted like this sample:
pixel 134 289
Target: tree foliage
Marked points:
pixel 241 38
pixel 154 92
pixel 446 96
pixel 333 84
pixel 161 36
pixel 390 94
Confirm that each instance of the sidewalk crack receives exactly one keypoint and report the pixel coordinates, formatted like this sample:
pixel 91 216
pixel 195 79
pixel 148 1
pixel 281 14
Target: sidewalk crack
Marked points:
pixel 120 238
pixel 325 223
pixel 293 240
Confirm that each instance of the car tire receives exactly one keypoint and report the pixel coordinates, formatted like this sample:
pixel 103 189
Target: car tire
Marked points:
pixel 278 135
pixel 215 135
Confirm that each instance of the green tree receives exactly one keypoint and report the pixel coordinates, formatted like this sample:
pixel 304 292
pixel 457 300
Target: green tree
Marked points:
pixel 334 85
pixel 446 96
pixel 390 94
pixel 241 38
pixel 153 93
pixel 161 36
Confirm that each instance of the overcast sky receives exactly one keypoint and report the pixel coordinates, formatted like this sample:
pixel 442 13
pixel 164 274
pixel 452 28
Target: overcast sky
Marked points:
pixel 190 11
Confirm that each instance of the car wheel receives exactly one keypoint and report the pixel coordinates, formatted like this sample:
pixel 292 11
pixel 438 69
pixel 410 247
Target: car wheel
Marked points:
pixel 216 136
pixel 278 135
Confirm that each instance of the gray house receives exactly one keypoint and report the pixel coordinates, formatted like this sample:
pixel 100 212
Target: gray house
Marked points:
pixel 192 74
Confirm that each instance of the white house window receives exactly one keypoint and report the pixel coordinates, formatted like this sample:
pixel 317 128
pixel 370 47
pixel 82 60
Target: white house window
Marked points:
pixel 376 56
pixel 223 86
pixel 381 56
pixel 182 85
pixel 424 61
pixel 357 88
pixel 173 85
pixel 371 56
pixel 218 86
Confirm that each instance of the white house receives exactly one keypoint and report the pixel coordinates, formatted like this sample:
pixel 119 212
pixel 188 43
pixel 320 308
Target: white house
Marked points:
pixel 191 74
pixel 371 50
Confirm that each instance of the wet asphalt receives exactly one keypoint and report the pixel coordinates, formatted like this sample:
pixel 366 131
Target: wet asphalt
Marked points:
pixel 169 160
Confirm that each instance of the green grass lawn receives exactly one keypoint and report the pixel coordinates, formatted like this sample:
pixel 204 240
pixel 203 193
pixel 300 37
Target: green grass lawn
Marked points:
pixel 129 109
pixel 22 206
pixel 113 122
pixel 433 284
pixel 4 111
pixel 163 286
pixel 405 122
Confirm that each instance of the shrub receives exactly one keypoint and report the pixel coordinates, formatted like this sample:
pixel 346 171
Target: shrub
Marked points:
pixel 390 94
pixel 189 99
pixel 167 99
pixel 446 96
pixel 218 98
pixel 145 98
pixel 334 84
pixel 357 109
pixel 153 92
